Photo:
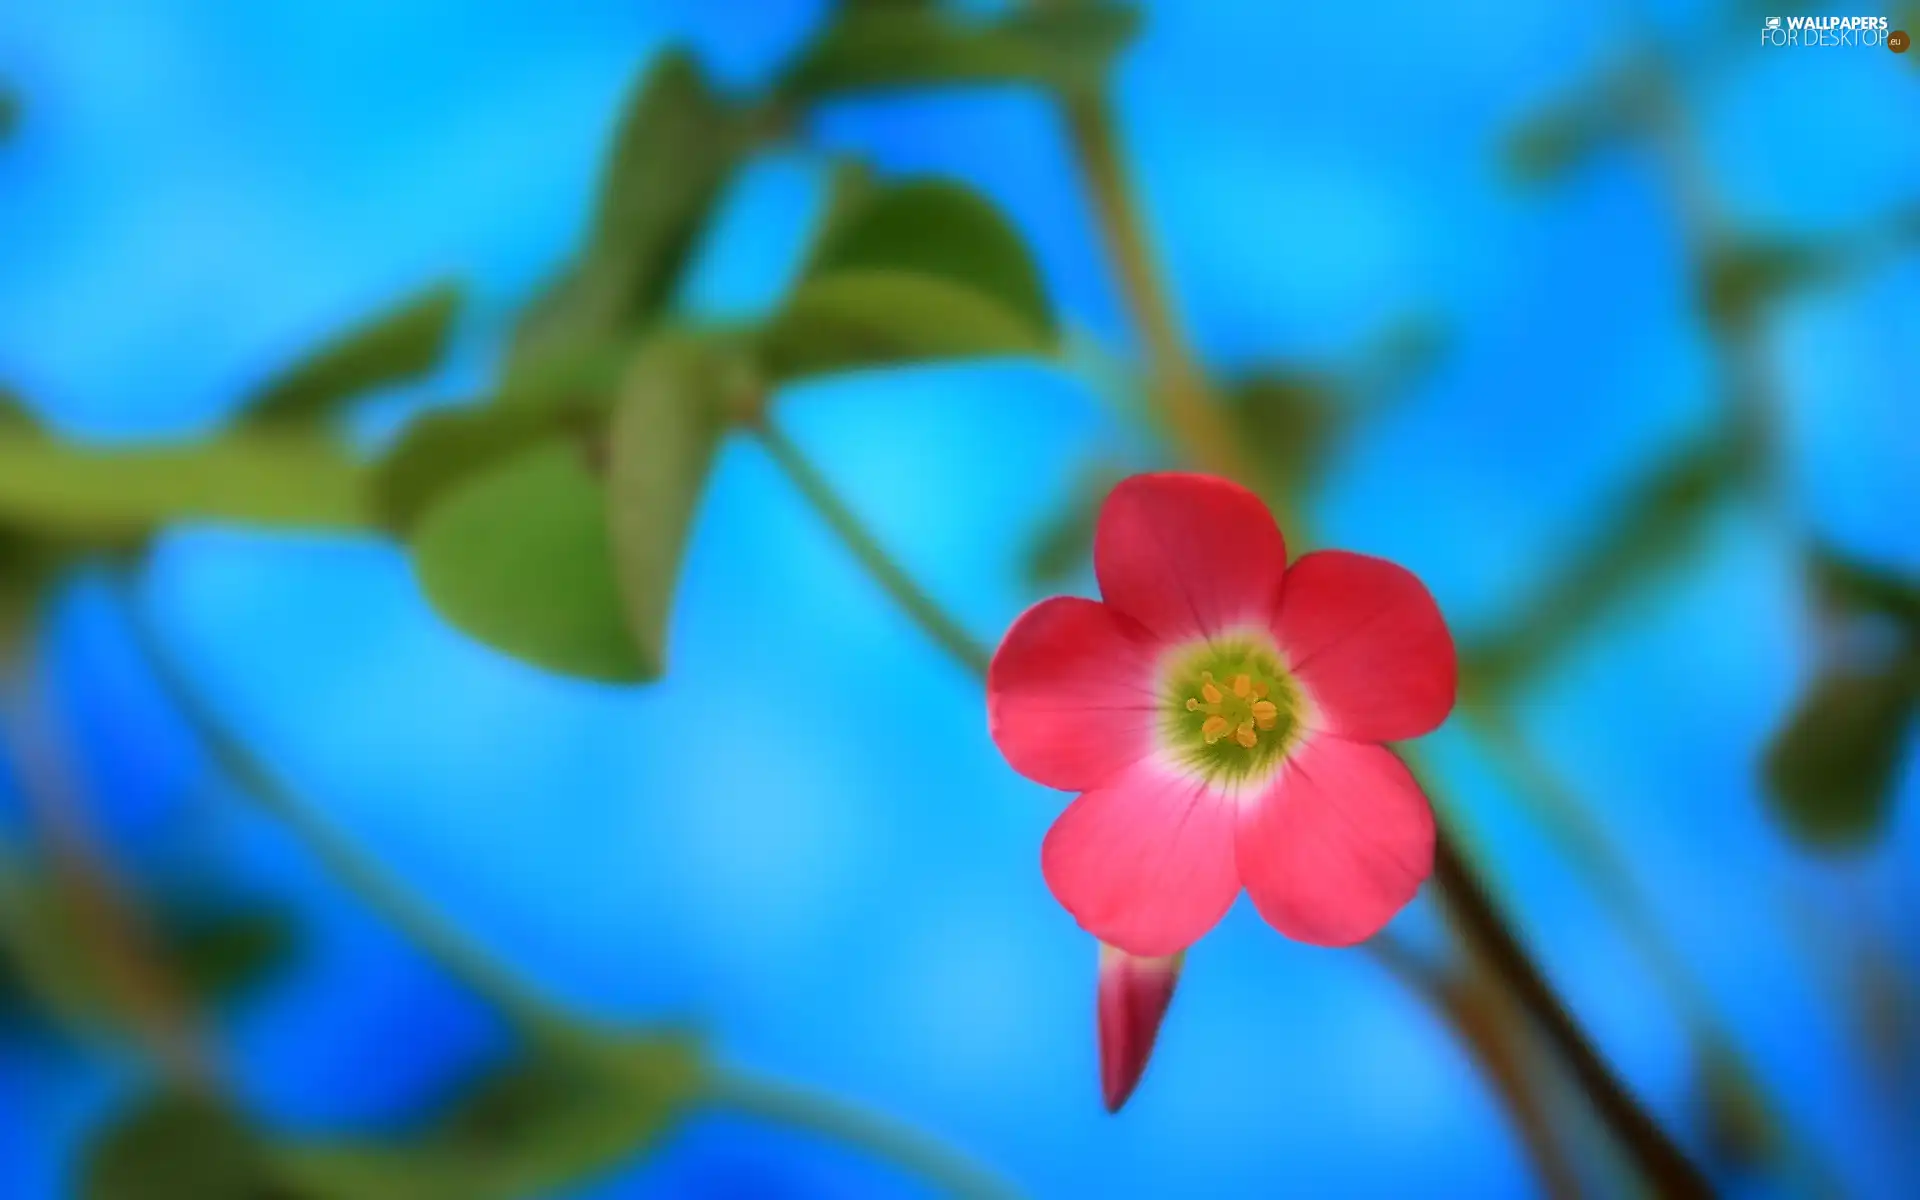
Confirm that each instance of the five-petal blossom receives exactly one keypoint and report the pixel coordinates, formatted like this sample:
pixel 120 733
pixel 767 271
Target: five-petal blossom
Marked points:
pixel 1221 714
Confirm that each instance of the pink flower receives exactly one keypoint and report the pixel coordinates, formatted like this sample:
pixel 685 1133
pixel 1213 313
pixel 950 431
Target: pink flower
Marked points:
pixel 1221 714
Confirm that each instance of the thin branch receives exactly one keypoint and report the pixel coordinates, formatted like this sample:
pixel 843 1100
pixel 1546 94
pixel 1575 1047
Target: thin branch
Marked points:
pixel 913 1152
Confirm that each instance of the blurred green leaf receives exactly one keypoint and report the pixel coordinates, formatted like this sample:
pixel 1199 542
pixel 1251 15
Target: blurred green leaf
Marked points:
pixel 851 191
pixel 96 493
pixel 875 46
pixel 1557 139
pixel 402 343
pixel 1650 528
pixel 28 569
pixel 441 449
pixel 531 1130
pixel 1396 358
pixel 665 435
pixel 1063 546
pixel 518 556
pixel 1738 1125
pixel 927 269
pixel 1564 134
pixel 1830 771
pixel 1740 279
pixel 856 319
pixel 676 146
pixel 938 229
pixel 221 953
pixel 1287 422
pixel 50 953
pixel 1858 587
pixel 44 948
pixel 16 419
pixel 571 394
pixel 177 1148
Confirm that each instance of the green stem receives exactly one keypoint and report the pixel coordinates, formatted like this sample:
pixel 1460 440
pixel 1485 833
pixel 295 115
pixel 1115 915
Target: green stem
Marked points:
pixel 359 875
pixel 925 612
pixel 103 495
pixel 536 1018
pixel 906 1148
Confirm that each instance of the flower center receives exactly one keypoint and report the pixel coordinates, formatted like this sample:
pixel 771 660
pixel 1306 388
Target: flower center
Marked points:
pixel 1229 709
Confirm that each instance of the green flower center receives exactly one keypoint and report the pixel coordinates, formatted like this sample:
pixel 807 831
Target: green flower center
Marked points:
pixel 1229 710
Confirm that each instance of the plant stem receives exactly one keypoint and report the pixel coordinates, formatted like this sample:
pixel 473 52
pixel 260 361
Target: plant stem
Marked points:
pixel 111 932
pixel 1193 419
pixel 380 892
pixel 1660 1160
pixel 924 611
pixel 1478 1013
pixel 536 1018
pixel 114 495
pixel 911 1151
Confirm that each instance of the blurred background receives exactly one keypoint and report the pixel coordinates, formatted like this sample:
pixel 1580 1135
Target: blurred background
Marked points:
pixel 1598 316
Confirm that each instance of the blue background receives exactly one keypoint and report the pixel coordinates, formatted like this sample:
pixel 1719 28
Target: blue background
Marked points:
pixel 804 839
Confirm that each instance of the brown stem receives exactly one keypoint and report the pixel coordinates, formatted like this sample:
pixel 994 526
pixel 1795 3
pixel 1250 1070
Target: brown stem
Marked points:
pixel 1478 1013
pixel 113 934
pixel 1181 397
pixel 1660 1160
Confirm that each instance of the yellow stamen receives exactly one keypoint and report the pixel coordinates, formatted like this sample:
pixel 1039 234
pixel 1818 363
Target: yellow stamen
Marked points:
pixel 1259 691
pixel 1192 704
pixel 1211 692
pixel 1245 735
pixel 1242 685
pixel 1214 729
pixel 1265 713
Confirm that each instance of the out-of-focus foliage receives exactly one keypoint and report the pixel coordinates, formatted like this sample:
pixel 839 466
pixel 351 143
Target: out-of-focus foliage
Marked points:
pixel 178 1146
pixel 528 1128
pixel 56 970
pixel 90 496
pixel 1739 279
pixel 519 556
pixel 1740 1130
pixel 919 270
pixel 402 343
pixel 882 44
pixel 661 448
pixel 676 147
pixel 1563 135
pixel 1649 527
pixel 1832 767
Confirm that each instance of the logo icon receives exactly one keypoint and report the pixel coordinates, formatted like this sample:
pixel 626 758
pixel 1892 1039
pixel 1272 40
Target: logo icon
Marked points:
pixel 1898 41
pixel 1773 23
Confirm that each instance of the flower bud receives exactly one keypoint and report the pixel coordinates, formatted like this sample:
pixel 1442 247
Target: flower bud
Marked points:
pixel 1134 994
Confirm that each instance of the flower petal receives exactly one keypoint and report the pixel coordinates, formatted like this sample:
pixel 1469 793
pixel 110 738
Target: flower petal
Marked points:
pixel 1338 844
pixel 1144 861
pixel 1069 693
pixel 1368 642
pixel 1134 994
pixel 1188 556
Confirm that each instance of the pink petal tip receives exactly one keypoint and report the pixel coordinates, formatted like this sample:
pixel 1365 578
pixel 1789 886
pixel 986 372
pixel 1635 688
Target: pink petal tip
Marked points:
pixel 1134 994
